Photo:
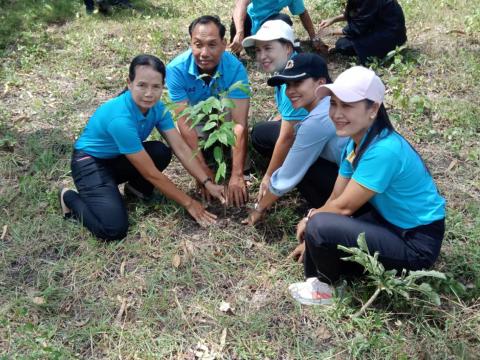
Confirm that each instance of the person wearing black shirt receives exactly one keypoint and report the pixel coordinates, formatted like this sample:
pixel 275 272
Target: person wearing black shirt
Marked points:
pixel 374 28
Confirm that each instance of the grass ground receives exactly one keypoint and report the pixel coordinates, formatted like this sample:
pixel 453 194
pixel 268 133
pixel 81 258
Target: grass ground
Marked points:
pixel 157 293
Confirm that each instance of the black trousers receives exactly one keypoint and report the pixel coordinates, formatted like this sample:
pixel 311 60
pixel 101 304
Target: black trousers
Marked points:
pixel 317 184
pixel 98 203
pixel 411 249
pixel 89 4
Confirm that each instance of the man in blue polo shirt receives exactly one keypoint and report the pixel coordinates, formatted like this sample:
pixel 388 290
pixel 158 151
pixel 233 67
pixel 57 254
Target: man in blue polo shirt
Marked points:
pixel 205 70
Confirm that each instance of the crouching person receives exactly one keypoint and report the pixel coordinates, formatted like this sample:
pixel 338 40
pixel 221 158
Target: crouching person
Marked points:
pixel 112 150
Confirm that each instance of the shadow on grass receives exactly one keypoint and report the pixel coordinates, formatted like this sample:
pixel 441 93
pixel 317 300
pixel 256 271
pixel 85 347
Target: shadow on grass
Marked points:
pixel 19 18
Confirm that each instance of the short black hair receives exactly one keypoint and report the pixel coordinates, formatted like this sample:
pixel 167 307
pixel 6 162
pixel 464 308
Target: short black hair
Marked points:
pixel 207 19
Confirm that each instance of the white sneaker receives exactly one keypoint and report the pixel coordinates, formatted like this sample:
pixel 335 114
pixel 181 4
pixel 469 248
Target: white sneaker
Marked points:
pixel 312 292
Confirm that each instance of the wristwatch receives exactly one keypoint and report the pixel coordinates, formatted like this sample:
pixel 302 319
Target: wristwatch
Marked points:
pixel 204 182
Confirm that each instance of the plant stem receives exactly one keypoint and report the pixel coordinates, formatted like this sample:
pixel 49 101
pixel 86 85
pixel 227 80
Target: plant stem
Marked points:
pixel 367 304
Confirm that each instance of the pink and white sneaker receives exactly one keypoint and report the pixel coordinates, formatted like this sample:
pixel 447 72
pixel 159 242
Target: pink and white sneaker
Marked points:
pixel 312 292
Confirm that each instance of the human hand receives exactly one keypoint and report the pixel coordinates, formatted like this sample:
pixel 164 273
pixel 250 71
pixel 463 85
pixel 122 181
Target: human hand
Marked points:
pixel 319 46
pixel 298 253
pixel 326 23
pixel 263 187
pixel 301 229
pixel 237 191
pixel 253 217
pixel 337 32
pixel 201 216
pixel 236 44
pixel 201 188
pixel 217 191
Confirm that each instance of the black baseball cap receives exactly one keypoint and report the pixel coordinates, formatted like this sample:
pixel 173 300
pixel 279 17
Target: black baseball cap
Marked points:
pixel 301 66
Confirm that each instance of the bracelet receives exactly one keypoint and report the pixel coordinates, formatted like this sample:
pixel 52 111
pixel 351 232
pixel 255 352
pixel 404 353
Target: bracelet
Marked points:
pixel 204 182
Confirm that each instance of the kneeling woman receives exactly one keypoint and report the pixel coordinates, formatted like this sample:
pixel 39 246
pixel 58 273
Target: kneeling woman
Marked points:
pixel 112 150
pixel 406 223
pixel 312 161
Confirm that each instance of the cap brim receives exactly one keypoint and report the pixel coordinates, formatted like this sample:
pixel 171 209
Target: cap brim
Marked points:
pixel 281 79
pixel 250 41
pixel 344 94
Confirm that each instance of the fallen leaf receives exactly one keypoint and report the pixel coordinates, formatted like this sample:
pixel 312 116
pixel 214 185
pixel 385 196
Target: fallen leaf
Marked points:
pixel 122 310
pixel 176 261
pixel 323 333
pixel 122 268
pixel 226 308
pixel 4 232
pixel 39 300
pixel 452 165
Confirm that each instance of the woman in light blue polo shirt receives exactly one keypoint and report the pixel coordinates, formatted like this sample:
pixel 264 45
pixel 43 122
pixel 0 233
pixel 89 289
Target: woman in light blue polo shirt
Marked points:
pixel 274 46
pixel 112 150
pixel 406 223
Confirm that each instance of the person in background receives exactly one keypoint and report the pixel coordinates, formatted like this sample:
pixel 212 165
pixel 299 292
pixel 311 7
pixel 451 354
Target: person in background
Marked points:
pixel 374 28
pixel 250 15
pixel 205 70
pixel 112 150
pixel 312 161
pixel 406 223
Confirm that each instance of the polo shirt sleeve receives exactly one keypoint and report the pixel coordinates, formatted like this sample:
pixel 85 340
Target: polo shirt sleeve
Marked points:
pixel 176 84
pixel 377 168
pixel 297 7
pixel 165 121
pixel 239 74
pixel 125 135
pixel 311 138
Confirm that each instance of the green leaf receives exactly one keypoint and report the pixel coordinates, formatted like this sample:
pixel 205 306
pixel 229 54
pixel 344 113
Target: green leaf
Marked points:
pixel 218 154
pixel 223 138
pixel 221 172
pixel 209 126
pixel 228 103
pixel 212 138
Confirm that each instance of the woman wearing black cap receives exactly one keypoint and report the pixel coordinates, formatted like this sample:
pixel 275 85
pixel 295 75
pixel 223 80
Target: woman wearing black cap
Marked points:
pixel 312 161
pixel 374 28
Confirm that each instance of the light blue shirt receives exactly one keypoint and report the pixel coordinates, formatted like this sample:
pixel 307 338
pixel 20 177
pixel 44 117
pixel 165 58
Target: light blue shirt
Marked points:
pixel 285 107
pixel 184 83
pixel 406 194
pixel 119 127
pixel 315 138
pixel 261 10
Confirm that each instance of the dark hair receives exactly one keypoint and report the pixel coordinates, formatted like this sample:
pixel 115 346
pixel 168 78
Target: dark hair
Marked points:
pixel 207 19
pixel 381 128
pixel 298 49
pixel 149 60
pixel 381 123
pixel 144 59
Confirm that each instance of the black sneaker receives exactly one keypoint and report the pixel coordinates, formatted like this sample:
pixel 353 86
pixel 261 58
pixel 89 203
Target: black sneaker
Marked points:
pixel 104 7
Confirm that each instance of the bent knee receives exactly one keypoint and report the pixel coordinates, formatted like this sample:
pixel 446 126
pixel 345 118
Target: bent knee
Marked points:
pixel 112 233
pixel 322 229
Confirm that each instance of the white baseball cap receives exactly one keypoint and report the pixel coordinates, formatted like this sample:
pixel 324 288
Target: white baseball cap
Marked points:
pixel 271 30
pixel 355 84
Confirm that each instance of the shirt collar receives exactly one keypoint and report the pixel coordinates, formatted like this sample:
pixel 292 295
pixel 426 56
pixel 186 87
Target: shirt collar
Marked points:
pixel 193 68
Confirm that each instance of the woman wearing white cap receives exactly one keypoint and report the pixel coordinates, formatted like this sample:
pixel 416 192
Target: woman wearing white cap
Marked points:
pixel 274 45
pixel 406 223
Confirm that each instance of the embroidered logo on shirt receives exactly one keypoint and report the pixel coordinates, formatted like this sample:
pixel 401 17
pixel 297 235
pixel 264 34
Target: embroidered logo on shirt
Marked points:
pixel 351 157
